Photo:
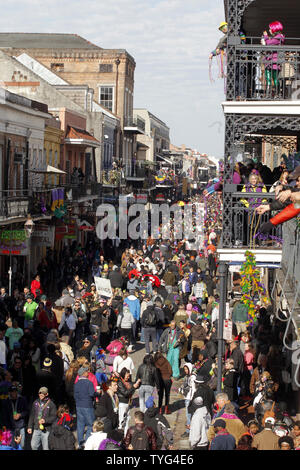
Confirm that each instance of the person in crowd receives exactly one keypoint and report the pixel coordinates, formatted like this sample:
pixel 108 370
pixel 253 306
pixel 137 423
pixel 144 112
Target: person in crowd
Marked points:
pixel 149 379
pixel 97 436
pixel 61 435
pixel 165 382
pixel 223 440
pixel 199 425
pixel 140 436
pixel 170 343
pixel 125 392
pixel 125 323
pixel 108 405
pixel 160 425
pixel 123 360
pixel 41 418
pixel 188 389
pixel 266 439
pixel 84 394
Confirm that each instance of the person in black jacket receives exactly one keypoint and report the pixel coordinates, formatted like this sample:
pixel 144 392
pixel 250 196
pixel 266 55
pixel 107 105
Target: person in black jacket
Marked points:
pixel 230 381
pixel 14 412
pixel 148 374
pixel 42 416
pixel 204 391
pixel 116 278
pixel 160 426
pixel 61 436
pixel 125 392
pixel 107 406
pixel 46 378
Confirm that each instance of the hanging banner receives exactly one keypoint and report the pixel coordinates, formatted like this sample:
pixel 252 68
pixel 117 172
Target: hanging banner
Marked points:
pixel 103 286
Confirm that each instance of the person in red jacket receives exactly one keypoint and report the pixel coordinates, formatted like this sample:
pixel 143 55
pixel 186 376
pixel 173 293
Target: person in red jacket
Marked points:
pixel 47 317
pixel 36 286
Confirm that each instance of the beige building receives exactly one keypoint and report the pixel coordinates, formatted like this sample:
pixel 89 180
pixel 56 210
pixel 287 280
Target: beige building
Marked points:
pixel 155 139
pixel 109 73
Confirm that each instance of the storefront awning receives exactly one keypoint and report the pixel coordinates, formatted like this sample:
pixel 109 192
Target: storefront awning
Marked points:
pixel 165 159
pixel 49 170
pixel 77 136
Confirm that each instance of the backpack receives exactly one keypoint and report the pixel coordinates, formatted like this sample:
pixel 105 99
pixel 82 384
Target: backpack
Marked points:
pixel 269 414
pixel 150 318
pixel 140 439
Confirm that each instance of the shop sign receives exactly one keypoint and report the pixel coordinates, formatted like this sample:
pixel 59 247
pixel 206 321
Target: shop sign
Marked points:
pixel 13 242
pixel 43 235
pixel 160 198
pixel 66 231
pixel 141 198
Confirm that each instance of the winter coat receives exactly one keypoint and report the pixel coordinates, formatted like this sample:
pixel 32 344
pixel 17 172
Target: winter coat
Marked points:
pixel 198 333
pixel 148 375
pixel 223 441
pixel 180 315
pixel 164 368
pixel 125 393
pixel 116 279
pixel 230 382
pixel 84 393
pixel 125 319
pixel 188 387
pixel 169 278
pixel 206 393
pixel 48 414
pixel 160 425
pixel 163 342
pixel 140 426
pixel 105 409
pixel 265 440
pixel 199 425
pixel 233 425
pixel 134 306
pixel 61 438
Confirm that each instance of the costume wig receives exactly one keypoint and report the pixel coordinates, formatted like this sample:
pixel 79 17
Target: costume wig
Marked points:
pixel 276 27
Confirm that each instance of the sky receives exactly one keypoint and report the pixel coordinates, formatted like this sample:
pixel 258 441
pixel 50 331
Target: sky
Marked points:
pixel 170 41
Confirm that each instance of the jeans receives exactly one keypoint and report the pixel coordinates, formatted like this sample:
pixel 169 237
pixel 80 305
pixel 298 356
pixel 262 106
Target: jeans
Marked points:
pixel 39 437
pixel 142 338
pixel 145 392
pixel 188 415
pixel 150 335
pixel 85 417
pixel 159 332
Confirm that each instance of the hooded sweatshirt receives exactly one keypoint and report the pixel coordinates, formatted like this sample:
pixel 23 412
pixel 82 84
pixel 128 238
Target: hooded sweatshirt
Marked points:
pixel 134 306
pixel 189 380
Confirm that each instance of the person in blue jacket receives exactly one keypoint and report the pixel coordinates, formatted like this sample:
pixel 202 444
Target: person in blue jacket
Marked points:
pixel 223 440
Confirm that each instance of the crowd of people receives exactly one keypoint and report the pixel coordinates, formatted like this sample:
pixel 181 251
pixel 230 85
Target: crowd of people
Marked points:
pixel 67 375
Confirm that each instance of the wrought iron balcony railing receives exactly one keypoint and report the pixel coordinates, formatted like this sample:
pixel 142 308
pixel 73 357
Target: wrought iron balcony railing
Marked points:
pixel 135 123
pixel 265 72
pixel 243 231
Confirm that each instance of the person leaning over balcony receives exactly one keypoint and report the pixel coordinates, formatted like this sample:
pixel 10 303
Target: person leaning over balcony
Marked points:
pixel 287 201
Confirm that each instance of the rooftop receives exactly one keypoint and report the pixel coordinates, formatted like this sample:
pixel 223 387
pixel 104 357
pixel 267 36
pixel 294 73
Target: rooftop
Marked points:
pixel 45 41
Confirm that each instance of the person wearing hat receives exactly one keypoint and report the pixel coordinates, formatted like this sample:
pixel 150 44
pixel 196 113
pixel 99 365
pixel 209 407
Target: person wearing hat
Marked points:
pixel 202 390
pixel 46 378
pixel 67 324
pixel 42 416
pixel 155 420
pixel 199 425
pixel 84 394
pixel 222 440
pixel 222 44
pixel 266 439
pixel 226 411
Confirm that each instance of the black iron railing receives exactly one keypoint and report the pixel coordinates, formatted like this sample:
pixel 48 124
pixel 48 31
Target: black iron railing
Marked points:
pixel 135 122
pixel 265 72
pixel 244 230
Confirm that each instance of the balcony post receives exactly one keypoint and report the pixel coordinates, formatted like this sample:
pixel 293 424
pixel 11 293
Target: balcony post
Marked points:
pixel 223 272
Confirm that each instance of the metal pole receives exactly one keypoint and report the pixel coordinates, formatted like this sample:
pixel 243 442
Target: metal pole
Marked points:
pixel 223 271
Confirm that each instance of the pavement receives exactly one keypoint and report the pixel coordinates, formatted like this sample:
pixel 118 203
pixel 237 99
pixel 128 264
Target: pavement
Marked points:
pixel 177 417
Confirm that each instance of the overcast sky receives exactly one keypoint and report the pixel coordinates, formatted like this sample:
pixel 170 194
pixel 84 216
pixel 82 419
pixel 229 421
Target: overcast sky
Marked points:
pixel 170 41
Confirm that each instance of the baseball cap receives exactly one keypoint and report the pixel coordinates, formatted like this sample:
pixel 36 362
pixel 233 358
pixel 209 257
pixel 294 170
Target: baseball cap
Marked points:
pixel 43 390
pixel 149 402
pixel 220 423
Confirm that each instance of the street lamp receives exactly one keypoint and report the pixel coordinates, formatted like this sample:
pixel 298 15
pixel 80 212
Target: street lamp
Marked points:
pixel 28 226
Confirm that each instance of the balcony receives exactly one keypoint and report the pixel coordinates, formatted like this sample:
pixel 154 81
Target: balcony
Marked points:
pixel 17 204
pixel 265 73
pixel 135 124
pixel 112 178
pixel 241 230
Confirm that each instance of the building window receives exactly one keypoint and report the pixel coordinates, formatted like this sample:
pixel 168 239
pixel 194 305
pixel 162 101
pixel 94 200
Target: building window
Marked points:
pixel 105 68
pixel 106 97
pixel 57 67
